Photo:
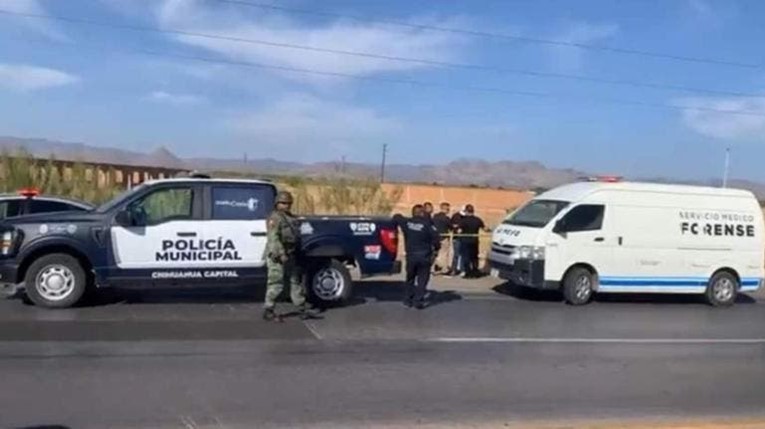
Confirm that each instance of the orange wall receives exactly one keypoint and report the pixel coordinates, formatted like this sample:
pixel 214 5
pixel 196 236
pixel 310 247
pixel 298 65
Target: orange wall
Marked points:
pixel 490 204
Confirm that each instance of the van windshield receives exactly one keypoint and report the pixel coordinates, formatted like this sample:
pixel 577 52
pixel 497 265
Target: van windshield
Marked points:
pixel 536 214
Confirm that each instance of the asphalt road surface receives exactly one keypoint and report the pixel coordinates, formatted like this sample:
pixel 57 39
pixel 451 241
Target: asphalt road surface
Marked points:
pixel 198 359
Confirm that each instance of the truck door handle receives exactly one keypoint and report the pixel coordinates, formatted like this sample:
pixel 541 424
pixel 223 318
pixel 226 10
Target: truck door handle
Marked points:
pixel 599 239
pixel 187 234
pixel 257 234
pixel 620 241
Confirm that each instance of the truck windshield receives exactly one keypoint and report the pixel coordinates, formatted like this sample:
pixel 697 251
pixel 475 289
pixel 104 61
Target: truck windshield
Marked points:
pixel 116 201
pixel 536 214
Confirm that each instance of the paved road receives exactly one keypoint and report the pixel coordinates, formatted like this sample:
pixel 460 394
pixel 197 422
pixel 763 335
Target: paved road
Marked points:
pixel 202 359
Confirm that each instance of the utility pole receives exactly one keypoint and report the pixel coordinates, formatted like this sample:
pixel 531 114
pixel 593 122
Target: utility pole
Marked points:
pixel 382 165
pixel 725 170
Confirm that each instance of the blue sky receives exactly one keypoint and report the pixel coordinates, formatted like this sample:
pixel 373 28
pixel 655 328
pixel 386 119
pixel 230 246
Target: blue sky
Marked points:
pixel 89 84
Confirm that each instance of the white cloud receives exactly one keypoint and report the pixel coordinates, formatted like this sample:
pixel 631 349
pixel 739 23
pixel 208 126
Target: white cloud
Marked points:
pixel 571 57
pixel 192 16
pixel 175 99
pixel 726 126
pixel 307 123
pixel 20 77
pixel 34 7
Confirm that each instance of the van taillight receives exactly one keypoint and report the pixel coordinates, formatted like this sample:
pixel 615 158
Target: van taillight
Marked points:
pixel 389 240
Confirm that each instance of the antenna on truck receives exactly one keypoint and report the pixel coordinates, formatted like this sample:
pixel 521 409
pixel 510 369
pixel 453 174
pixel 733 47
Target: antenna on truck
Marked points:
pixel 725 169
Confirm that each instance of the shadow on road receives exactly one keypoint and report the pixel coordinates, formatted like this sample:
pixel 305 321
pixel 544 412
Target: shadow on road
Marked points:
pixel 364 291
pixel 177 295
pixel 393 291
pixel 529 294
pixel 45 427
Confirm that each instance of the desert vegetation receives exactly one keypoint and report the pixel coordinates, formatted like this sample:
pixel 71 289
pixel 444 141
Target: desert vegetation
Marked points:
pixel 327 195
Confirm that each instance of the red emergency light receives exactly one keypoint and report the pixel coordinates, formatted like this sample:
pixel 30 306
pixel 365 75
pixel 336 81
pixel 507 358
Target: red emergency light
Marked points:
pixel 28 192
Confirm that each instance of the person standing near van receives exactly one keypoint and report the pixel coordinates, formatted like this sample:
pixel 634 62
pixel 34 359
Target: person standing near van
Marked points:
pixel 421 241
pixel 457 265
pixel 427 206
pixel 443 224
pixel 470 226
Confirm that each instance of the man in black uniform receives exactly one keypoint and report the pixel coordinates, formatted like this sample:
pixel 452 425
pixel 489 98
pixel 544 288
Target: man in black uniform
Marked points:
pixel 421 242
pixel 428 207
pixel 470 225
pixel 443 224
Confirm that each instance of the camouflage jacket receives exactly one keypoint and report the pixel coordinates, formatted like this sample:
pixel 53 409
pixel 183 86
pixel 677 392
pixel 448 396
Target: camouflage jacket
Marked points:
pixel 283 235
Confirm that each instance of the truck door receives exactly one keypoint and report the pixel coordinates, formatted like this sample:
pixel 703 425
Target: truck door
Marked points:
pixel 163 232
pixel 582 238
pixel 237 217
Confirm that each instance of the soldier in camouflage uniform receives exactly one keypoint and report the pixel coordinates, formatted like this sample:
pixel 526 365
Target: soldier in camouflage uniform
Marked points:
pixel 282 259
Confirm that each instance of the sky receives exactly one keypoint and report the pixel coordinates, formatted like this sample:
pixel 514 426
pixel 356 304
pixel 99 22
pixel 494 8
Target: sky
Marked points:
pixel 470 93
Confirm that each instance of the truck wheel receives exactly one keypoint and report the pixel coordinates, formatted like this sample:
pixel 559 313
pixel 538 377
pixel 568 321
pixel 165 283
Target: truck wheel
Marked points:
pixel 722 289
pixel 55 281
pixel 578 286
pixel 330 282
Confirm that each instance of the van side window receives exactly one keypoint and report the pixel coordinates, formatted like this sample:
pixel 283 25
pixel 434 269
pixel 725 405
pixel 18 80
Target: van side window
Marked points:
pixel 587 217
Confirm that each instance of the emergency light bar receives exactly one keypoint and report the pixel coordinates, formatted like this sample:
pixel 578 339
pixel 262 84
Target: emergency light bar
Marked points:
pixel 28 192
pixel 606 179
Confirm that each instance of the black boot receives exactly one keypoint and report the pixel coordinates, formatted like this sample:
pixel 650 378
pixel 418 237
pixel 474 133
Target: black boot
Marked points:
pixel 307 313
pixel 269 315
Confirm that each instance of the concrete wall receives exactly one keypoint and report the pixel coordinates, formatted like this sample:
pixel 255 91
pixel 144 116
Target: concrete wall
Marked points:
pixel 491 204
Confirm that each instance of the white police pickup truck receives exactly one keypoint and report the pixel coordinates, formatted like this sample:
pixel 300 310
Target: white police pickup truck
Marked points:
pixel 186 231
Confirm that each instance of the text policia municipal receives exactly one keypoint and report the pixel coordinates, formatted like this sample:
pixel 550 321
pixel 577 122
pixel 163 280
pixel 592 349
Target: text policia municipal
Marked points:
pixel 219 249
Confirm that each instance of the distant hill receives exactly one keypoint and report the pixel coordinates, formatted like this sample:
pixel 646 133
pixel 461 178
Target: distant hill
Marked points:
pixel 470 172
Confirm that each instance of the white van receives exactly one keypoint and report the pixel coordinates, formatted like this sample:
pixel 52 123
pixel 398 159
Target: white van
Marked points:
pixel 618 237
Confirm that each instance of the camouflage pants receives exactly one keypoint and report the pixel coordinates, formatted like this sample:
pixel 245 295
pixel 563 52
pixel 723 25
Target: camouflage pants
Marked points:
pixel 279 274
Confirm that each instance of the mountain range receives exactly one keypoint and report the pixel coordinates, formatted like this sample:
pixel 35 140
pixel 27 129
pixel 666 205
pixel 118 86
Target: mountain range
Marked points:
pixel 468 172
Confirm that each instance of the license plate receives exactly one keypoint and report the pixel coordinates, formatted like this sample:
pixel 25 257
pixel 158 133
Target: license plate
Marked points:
pixel 494 273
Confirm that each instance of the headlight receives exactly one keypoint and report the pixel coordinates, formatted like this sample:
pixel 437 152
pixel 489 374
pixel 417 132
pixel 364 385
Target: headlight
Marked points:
pixel 531 252
pixel 6 243
pixel 538 253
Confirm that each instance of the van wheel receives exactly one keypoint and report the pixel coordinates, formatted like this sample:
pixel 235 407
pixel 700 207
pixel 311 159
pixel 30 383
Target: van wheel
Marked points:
pixel 578 286
pixel 330 282
pixel 722 289
pixel 55 281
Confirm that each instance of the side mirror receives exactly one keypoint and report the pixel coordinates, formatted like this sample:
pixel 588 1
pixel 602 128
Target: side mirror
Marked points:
pixel 123 218
pixel 560 226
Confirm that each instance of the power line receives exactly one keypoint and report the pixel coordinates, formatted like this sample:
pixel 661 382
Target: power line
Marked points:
pixel 435 63
pixel 499 36
pixel 408 82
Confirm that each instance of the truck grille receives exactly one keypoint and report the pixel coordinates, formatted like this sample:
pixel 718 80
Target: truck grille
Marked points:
pixel 501 248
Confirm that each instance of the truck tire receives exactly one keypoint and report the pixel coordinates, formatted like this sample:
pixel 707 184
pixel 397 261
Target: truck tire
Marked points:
pixel 722 289
pixel 55 281
pixel 578 286
pixel 330 282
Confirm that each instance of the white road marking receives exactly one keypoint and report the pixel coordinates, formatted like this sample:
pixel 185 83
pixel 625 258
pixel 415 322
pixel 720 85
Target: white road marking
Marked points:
pixel 313 330
pixel 598 340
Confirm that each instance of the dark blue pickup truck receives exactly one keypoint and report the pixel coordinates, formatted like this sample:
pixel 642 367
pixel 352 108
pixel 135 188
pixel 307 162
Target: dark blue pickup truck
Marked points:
pixel 185 231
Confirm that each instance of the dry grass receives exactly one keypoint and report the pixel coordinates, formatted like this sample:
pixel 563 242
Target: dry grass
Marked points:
pixel 341 196
pixel 21 170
